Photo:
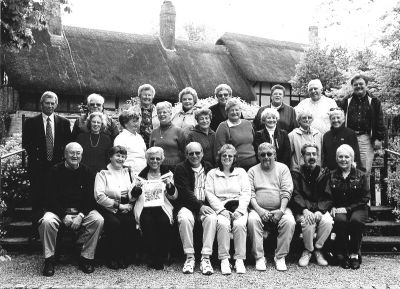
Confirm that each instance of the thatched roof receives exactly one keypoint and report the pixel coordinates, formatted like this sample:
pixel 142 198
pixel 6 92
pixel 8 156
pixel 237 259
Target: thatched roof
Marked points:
pixel 262 59
pixel 115 64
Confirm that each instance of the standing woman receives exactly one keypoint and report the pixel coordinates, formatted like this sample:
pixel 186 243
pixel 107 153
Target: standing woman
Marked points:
pixel 132 140
pixel 112 192
pixel 185 118
pixel 274 135
pixel 228 192
pixel 203 134
pixel 155 222
pixel 305 133
pixel 349 189
pixel 169 137
pixel 95 142
pixel 146 94
pixel 95 103
pixel 238 132
pixel 336 136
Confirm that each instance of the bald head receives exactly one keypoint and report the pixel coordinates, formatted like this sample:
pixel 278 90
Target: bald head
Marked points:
pixel 73 155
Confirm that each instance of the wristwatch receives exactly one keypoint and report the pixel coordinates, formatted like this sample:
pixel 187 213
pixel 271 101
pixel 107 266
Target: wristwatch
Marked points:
pixel 82 215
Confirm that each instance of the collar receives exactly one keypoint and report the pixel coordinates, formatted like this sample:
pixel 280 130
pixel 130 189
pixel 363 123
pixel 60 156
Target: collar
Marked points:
pixel 69 167
pixel 219 173
pixel 230 124
pixel 197 129
pixel 125 131
pixel 277 107
pixel 44 117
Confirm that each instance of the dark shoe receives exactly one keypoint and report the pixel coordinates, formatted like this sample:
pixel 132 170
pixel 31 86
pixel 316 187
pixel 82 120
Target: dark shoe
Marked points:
pixel 86 265
pixel 48 269
pixel 345 263
pixel 113 264
pixel 354 263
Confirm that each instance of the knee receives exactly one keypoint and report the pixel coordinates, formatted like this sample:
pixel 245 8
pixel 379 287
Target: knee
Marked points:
pixel 253 220
pixel 49 221
pixel 223 223
pixel 240 224
pixel 287 222
pixel 211 219
pixel 99 221
pixel 185 218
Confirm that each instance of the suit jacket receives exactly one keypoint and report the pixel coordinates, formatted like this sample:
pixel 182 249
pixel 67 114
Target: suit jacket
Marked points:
pixel 34 140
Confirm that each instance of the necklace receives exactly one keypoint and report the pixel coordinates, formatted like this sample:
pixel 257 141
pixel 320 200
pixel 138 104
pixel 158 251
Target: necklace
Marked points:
pixel 161 131
pixel 91 142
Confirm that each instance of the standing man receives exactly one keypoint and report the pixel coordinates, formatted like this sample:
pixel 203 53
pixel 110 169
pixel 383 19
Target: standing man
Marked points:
pixel 319 105
pixel 311 205
pixel 190 179
pixel 271 190
pixel 364 115
pixel 70 203
pixel 287 115
pixel 44 138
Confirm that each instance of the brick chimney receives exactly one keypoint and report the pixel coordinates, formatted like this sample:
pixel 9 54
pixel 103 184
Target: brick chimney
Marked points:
pixel 313 35
pixel 53 17
pixel 167 25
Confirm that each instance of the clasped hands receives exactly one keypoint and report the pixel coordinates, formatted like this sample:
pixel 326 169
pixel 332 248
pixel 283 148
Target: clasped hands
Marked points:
pixel 73 221
pixel 310 218
pixel 273 216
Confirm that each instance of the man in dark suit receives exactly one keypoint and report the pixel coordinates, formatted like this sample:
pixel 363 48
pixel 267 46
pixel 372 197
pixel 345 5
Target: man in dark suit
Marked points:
pixel 44 138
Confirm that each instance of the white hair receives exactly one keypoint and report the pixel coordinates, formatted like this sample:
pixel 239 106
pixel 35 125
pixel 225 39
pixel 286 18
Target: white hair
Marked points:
pixel 316 82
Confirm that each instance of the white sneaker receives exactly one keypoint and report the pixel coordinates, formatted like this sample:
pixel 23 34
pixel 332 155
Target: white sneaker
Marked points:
pixel 260 264
pixel 280 264
pixel 225 267
pixel 239 266
pixel 188 267
pixel 320 258
pixel 305 258
pixel 205 267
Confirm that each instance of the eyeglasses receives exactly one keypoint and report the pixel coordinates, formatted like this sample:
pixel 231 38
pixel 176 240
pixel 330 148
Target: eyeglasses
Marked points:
pixel 269 154
pixel 227 156
pixel 306 117
pixel 155 159
pixel 223 94
pixel 194 153
pixel 95 104
pixel 335 108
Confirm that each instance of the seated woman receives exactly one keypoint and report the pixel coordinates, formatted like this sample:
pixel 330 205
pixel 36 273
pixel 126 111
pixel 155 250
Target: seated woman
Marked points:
pixel 228 192
pixel 349 189
pixel 336 136
pixel 273 135
pixel 95 143
pixel 153 210
pixel 203 134
pixel 132 140
pixel 238 132
pixel 185 118
pixel 169 137
pixel 111 191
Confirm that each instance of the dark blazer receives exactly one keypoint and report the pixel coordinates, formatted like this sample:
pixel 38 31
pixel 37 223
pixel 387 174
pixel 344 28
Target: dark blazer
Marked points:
pixel 34 140
pixel 281 142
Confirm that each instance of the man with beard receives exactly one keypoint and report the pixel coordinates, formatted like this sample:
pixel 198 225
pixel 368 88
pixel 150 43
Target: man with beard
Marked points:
pixel 271 189
pixel 311 205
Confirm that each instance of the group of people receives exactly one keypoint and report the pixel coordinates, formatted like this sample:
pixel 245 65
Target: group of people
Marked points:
pixel 308 165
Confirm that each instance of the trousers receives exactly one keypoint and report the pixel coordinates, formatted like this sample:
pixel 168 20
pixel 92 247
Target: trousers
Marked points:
pixel 91 227
pixel 285 226
pixel 323 229
pixel 186 221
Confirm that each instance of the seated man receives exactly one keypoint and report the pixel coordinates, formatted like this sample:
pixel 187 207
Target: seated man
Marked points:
pixel 310 205
pixel 271 189
pixel 70 202
pixel 190 179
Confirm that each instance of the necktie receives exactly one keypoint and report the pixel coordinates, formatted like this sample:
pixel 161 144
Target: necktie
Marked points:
pixel 49 140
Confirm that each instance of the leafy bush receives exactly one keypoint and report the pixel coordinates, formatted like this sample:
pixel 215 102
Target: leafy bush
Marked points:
pixel 15 183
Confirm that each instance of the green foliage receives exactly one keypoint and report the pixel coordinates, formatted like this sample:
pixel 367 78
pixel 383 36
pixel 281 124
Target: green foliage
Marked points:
pixel 20 17
pixel 14 183
pixel 322 63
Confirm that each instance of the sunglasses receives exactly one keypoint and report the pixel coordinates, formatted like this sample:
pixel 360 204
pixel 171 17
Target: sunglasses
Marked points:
pixel 335 108
pixel 227 156
pixel 155 159
pixel 269 154
pixel 194 153
pixel 306 117
pixel 95 104
pixel 223 94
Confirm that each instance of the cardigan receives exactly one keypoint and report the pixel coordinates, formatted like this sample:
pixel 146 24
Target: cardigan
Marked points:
pixel 166 207
pixel 108 186
pixel 220 189
pixel 335 138
pixel 184 179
